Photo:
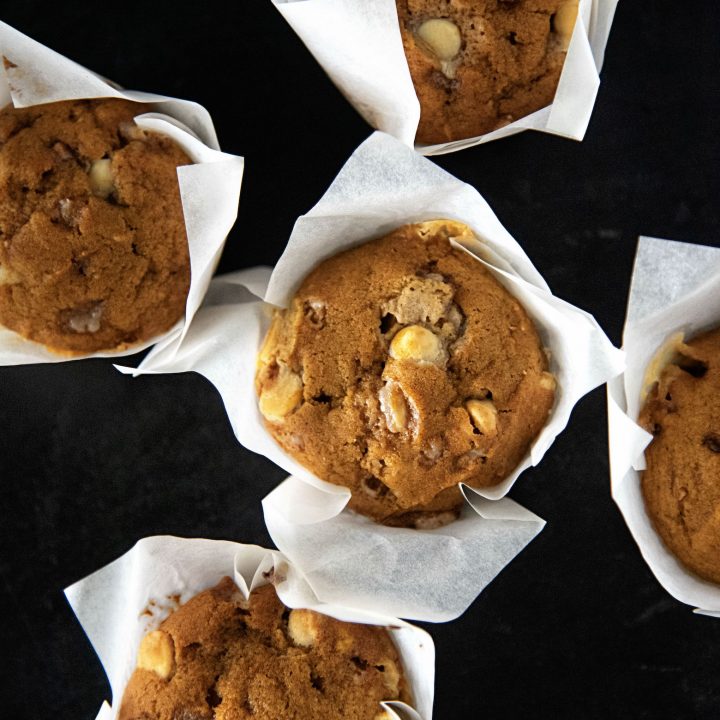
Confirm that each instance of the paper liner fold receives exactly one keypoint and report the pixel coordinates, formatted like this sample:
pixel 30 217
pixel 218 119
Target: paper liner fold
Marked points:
pixel 209 189
pixel 429 575
pixel 120 603
pixel 675 287
pixel 385 185
pixel 359 46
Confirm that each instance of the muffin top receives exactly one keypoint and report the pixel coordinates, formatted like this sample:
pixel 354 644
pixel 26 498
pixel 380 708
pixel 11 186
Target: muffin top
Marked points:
pixel 681 483
pixel 93 250
pixel 220 657
pixel 480 64
pixel 401 368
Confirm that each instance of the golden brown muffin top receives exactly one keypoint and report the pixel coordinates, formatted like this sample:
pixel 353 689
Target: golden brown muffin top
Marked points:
pixel 220 657
pixel 401 368
pixel 681 483
pixel 93 250
pixel 480 64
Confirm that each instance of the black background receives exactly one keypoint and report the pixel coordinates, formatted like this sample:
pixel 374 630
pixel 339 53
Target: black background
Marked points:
pixel 90 461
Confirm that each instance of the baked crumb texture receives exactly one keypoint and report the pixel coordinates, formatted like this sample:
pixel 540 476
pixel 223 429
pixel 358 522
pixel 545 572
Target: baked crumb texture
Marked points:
pixel 401 368
pixel 93 250
pixel 681 484
pixel 219 657
pixel 480 64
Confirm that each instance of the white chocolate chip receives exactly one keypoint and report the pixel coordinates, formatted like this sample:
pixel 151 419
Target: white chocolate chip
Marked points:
pixel 483 415
pixel 394 406
pixel 441 37
pixel 669 353
pixel 301 628
pixel 157 654
pixel 7 276
pixel 417 344
pixel 281 394
pixel 101 179
pixel 548 381
pixel 564 21
pixel 86 321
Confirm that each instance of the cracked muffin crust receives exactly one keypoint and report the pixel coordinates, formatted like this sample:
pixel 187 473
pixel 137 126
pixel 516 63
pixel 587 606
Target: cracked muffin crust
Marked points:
pixel 480 64
pixel 401 368
pixel 220 657
pixel 93 250
pixel 681 483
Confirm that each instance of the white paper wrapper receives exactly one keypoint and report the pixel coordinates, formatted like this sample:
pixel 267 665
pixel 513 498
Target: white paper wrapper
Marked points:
pixel 383 186
pixel 675 288
pixel 209 189
pixel 429 575
pixel 120 603
pixel 359 46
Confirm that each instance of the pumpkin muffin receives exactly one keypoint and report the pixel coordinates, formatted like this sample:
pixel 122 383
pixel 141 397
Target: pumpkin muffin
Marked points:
pixel 480 64
pixel 93 250
pixel 402 368
pixel 220 657
pixel 681 482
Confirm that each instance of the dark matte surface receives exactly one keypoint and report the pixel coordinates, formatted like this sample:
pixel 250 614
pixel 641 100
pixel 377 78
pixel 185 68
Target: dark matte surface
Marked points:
pixel 90 461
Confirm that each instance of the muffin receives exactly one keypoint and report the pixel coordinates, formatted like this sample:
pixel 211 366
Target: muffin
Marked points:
pixel 220 656
pixel 93 250
pixel 401 368
pixel 480 64
pixel 681 483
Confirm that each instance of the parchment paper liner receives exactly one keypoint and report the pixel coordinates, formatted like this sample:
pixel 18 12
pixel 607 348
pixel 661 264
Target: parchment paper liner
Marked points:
pixel 383 186
pixel 120 603
pixel 359 46
pixel 675 287
pixel 209 189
